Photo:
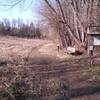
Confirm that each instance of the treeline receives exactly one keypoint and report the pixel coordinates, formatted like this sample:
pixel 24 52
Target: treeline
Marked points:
pixel 19 28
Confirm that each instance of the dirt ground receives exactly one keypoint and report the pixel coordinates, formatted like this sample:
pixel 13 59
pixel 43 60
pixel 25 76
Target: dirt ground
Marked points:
pixel 47 67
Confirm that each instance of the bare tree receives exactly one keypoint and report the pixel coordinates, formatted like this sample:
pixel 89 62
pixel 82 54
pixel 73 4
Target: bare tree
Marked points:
pixel 72 18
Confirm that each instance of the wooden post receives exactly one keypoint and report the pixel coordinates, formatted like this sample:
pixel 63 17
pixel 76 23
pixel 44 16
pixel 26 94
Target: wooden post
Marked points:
pixel 91 49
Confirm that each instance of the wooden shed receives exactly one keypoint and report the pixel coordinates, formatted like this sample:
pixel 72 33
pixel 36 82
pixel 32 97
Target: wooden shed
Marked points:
pixel 94 40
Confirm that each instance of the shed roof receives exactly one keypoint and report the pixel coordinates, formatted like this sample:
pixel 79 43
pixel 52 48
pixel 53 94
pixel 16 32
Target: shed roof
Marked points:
pixel 94 30
pixel 94 33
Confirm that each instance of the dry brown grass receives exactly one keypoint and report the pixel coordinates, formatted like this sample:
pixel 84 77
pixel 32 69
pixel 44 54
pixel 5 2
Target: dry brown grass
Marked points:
pixel 36 63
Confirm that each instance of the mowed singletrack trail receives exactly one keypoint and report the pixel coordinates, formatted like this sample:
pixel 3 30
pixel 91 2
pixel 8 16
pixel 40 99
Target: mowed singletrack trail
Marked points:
pixel 45 62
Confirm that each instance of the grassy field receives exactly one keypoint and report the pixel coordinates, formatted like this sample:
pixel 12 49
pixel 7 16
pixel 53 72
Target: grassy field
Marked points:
pixel 34 70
